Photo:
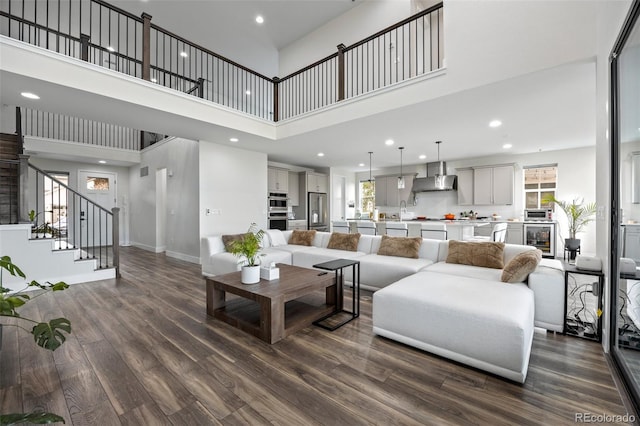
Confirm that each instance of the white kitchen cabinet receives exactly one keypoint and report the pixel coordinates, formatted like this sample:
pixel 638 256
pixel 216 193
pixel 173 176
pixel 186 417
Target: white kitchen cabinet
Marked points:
pixel 294 189
pixel 317 182
pixel 515 233
pixel 278 180
pixel 493 185
pixel 632 242
pixel 465 187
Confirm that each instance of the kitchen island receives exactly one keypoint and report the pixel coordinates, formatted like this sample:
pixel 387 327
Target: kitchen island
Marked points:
pixel 456 229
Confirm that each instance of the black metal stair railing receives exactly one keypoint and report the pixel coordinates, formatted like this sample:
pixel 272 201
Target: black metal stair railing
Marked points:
pixel 73 221
pixel 97 32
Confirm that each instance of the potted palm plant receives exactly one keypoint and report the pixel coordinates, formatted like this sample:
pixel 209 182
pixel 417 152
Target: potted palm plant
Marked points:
pixel 578 216
pixel 247 248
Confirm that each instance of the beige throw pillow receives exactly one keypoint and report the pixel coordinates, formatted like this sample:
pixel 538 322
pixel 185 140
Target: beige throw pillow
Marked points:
pixel 485 254
pixel 519 268
pixel 341 241
pixel 227 240
pixel 400 246
pixel 302 238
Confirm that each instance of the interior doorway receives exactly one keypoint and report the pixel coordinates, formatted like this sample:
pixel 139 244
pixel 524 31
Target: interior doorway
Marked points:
pixel 338 203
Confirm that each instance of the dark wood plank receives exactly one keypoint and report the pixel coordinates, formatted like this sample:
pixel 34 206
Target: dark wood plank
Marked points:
pixel 144 351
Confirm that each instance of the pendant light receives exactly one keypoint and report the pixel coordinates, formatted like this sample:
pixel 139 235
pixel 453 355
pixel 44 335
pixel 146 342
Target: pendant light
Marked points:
pixel 370 154
pixel 401 177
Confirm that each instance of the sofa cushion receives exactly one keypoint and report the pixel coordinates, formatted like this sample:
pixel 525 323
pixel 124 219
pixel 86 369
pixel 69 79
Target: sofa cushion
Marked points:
pixel 400 246
pixel 308 258
pixel 519 268
pixel 302 238
pixel 378 271
pixel 224 263
pixel 455 269
pixel 485 254
pixel 276 237
pixel 228 240
pixel 341 241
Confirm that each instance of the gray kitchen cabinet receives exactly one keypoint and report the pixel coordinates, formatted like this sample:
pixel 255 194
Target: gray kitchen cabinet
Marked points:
pixel 632 242
pixel 465 187
pixel 515 233
pixel 387 192
pixel 278 180
pixel 294 189
pixel 317 182
pixel 635 177
pixel 493 185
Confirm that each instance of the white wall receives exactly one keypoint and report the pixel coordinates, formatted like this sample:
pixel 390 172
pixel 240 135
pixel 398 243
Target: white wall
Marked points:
pixel 356 24
pixel 233 186
pixel 179 156
pixel 122 183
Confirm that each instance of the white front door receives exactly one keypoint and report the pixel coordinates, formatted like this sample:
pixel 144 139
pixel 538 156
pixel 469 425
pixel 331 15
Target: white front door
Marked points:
pixel 94 223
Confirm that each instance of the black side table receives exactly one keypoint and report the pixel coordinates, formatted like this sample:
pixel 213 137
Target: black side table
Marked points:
pixel 573 325
pixel 338 267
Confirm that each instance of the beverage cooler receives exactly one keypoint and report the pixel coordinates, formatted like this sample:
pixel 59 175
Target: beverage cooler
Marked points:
pixel 541 235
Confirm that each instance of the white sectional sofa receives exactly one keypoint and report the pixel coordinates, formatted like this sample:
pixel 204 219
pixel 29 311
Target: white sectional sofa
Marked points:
pixel 458 311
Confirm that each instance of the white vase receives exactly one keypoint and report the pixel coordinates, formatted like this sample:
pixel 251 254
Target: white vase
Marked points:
pixel 250 274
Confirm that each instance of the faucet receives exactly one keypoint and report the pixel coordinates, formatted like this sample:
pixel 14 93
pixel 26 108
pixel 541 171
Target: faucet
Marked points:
pixel 403 210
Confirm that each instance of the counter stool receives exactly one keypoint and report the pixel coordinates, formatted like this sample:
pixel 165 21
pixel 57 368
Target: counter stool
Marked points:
pixel 397 229
pixel 366 228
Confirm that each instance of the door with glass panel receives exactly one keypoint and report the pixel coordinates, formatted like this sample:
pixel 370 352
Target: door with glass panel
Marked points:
pixel 95 226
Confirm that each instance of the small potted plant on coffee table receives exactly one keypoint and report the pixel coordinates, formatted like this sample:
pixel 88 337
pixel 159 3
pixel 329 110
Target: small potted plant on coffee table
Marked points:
pixel 247 248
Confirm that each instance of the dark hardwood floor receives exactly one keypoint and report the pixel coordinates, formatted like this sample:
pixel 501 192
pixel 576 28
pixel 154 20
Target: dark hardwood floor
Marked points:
pixel 144 352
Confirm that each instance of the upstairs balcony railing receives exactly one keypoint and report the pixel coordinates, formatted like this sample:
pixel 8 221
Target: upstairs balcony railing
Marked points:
pixel 97 32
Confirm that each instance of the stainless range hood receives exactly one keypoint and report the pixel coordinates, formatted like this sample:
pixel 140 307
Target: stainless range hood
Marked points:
pixel 436 180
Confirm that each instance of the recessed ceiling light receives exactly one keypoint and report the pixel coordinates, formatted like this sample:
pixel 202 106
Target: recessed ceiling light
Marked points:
pixel 247 92
pixel 102 162
pixel 389 142
pixel 30 95
pixel 361 165
pixel 154 80
pixel 321 154
pixel 422 157
pixel 259 19
pixel 507 146
pixel 233 140
pixel 495 123
pixel 184 54
pixel 111 49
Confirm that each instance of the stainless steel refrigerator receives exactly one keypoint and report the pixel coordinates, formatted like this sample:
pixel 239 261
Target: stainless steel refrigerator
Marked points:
pixel 317 211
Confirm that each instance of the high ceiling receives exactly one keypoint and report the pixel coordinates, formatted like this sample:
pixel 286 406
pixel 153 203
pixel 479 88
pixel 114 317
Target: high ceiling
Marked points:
pixel 228 27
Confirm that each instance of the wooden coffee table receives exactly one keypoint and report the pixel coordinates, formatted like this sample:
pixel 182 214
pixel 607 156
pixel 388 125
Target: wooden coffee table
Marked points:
pixel 272 310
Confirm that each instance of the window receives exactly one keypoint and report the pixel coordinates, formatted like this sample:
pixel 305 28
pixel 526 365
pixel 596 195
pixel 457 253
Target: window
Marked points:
pixel 97 183
pixel 539 183
pixel 367 196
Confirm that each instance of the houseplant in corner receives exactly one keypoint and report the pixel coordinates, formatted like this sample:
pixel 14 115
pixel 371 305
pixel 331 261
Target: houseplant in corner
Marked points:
pixel 47 335
pixel 247 248
pixel 578 216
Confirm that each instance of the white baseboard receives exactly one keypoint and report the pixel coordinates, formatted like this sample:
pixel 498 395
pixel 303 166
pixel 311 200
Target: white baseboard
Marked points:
pixel 143 246
pixel 185 257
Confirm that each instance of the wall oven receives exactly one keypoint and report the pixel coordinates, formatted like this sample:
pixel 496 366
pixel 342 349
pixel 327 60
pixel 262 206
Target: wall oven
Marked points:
pixel 278 210
pixel 541 235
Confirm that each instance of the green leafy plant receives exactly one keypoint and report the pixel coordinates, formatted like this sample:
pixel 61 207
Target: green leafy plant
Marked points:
pixel 49 335
pixel 44 228
pixel 578 214
pixel 248 247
